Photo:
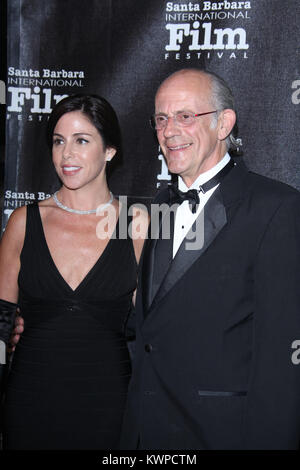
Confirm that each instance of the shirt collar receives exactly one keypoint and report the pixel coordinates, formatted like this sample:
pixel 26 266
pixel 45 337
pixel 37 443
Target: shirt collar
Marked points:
pixel 204 177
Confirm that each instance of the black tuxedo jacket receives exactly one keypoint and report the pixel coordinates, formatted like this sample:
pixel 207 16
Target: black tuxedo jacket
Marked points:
pixel 213 362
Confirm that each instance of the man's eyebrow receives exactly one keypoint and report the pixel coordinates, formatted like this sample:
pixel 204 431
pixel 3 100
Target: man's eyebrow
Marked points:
pixel 176 112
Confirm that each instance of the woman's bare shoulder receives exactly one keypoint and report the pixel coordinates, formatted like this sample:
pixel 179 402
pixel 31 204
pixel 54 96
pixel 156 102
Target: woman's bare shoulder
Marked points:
pixel 14 234
pixel 17 220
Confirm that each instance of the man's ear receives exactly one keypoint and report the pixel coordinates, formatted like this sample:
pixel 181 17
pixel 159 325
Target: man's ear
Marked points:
pixel 110 153
pixel 226 123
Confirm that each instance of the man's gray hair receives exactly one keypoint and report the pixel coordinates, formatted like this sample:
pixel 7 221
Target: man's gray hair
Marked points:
pixel 222 98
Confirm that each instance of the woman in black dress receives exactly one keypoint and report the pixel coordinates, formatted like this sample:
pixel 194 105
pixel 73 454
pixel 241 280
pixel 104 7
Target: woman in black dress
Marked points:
pixel 73 277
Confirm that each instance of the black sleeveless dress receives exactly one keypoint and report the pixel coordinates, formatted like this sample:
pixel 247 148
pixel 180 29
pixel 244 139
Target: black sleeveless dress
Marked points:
pixel 68 382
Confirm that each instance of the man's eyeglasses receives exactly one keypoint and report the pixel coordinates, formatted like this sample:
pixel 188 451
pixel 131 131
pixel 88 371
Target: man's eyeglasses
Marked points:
pixel 182 119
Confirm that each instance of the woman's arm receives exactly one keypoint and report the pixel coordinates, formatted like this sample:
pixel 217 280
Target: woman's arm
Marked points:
pixel 140 223
pixel 10 249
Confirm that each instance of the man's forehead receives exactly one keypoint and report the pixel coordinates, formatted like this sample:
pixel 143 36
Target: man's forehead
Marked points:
pixel 181 96
pixel 186 78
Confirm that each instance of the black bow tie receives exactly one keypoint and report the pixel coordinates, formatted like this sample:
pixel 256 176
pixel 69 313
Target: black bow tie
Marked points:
pixel 177 197
pixel 192 195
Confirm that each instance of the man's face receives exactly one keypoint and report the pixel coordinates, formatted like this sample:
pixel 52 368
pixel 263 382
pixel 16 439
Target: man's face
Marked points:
pixel 191 150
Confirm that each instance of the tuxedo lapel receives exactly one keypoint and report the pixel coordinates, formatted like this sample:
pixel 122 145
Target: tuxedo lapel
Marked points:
pixel 149 250
pixel 209 223
pixel 215 215
pixel 147 273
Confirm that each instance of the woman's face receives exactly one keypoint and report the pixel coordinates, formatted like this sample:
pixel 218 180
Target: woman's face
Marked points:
pixel 78 151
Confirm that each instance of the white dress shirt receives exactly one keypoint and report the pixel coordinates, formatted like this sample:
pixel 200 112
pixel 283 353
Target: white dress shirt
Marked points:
pixel 184 216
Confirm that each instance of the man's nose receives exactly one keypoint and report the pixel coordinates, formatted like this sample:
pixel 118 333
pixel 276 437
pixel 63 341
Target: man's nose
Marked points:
pixel 171 128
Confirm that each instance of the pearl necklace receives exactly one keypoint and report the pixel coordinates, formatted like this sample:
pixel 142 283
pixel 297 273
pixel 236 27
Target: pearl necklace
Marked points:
pixel 76 211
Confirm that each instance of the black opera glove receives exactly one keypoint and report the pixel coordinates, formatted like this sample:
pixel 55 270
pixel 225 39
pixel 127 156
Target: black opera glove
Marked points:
pixel 7 318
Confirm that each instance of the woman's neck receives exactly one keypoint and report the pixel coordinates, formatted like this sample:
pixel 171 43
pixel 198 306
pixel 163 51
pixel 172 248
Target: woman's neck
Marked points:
pixel 84 198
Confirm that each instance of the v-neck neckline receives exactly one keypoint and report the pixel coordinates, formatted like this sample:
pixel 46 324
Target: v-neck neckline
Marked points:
pixel 90 272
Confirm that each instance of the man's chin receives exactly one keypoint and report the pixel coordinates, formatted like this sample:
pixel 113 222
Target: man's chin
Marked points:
pixel 174 168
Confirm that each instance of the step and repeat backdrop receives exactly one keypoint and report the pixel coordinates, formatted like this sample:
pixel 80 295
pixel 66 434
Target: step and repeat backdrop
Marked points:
pixel 122 50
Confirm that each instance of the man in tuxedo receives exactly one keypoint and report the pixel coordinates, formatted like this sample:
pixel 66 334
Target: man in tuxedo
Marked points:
pixel 215 324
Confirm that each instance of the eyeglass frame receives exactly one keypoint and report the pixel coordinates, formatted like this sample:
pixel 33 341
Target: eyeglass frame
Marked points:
pixel 174 117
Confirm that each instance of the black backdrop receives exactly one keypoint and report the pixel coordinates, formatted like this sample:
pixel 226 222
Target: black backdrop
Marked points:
pixel 122 49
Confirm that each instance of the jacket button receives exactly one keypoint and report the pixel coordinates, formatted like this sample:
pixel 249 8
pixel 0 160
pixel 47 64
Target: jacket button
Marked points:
pixel 148 348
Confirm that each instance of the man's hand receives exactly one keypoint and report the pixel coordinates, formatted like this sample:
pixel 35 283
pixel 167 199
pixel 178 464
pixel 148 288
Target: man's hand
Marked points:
pixel 17 331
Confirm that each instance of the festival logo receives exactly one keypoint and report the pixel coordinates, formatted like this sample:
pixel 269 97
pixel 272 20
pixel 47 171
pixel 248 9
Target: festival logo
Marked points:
pixel 14 199
pixel 194 30
pixel 31 94
pixel 164 175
